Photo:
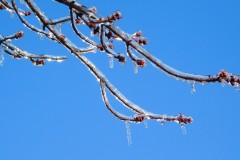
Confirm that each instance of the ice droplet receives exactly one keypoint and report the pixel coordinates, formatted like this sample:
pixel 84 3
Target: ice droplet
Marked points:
pixel 193 90
pixel 129 136
pixel 111 64
pixel 162 122
pixel 184 131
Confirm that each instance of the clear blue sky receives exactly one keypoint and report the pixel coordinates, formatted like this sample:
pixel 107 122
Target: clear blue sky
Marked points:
pixel 56 111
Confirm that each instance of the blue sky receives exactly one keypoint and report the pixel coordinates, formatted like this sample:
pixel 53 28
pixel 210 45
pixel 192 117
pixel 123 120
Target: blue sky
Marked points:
pixel 56 111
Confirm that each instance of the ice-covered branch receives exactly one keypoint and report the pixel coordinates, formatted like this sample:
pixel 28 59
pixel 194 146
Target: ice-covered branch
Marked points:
pixel 16 52
pixel 137 45
pixel 142 115
pixel 105 84
pixel 107 32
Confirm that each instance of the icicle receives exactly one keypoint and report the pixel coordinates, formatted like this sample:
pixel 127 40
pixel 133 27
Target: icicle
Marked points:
pixel 111 64
pixel 145 123
pixel 162 122
pixel 22 1
pixel 1 58
pixel 135 68
pixel 129 138
pixel 193 90
pixel 184 131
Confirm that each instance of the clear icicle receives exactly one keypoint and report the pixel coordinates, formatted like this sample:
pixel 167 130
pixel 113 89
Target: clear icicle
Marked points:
pixel 111 64
pixel 129 136
pixel 135 68
pixel 1 58
pixel 193 90
pixel 145 123
pixel 184 131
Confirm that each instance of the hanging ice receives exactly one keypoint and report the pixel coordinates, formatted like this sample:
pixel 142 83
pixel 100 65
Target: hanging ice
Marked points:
pixel 135 68
pixel 193 90
pixel 22 1
pixel 129 138
pixel 184 131
pixel 1 58
pixel 111 64
pixel 145 123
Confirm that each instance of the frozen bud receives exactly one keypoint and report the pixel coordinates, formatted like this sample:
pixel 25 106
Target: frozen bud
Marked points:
pixel 137 34
pixel 78 21
pixel 140 62
pixel 1 7
pixel 19 35
pixel 110 46
pixel 91 25
pixel 232 80
pixel 27 13
pixel 222 74
pixel 117 38
pixel 118 15
pixel 39 62
pixel 143 41
pixel 121 58
pixel 109 35
pixel 139 118
pixel 96 30
pixel 181 119
pixel 100 47
pixel 18 56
